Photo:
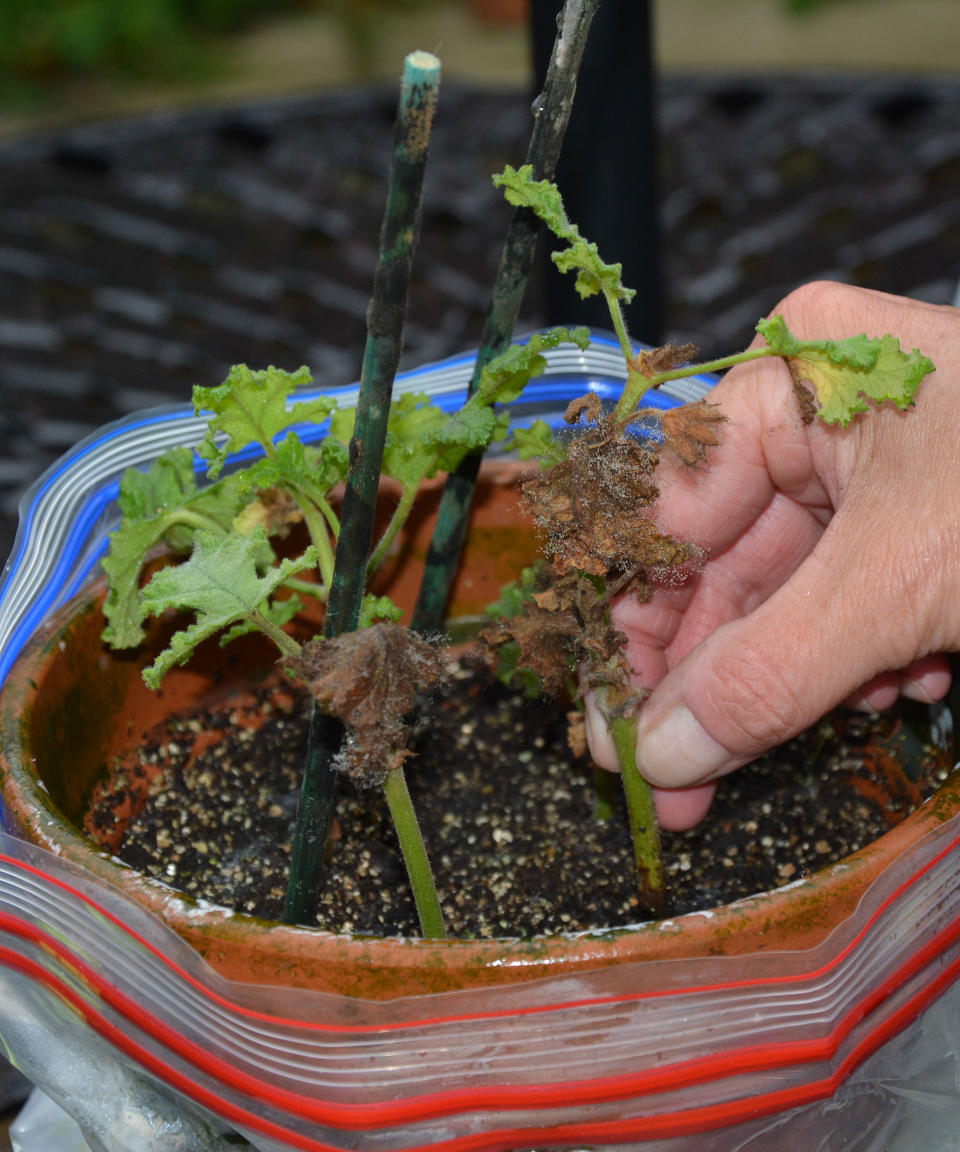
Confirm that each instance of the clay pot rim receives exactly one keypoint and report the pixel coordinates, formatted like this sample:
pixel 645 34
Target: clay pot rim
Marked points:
pixel 177 908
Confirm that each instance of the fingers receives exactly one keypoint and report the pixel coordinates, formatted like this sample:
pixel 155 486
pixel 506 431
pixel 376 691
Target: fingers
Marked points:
pixel 829 632
pixel 681 808
pixel 677 808
pixel 926 681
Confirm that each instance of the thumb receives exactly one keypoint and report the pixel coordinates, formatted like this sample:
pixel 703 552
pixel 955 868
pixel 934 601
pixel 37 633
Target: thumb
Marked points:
pixel 760 680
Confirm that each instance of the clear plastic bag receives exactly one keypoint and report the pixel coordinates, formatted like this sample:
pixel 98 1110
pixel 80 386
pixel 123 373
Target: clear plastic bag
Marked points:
pixel 851 1044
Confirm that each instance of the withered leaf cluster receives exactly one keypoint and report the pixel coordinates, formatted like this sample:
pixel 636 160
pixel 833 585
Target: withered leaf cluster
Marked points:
pixel 370 679
pixel 595 508
pixel 566 624
pixel 652 361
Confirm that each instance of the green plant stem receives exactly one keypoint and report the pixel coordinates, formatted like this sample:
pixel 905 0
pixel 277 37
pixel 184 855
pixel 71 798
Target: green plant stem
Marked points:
pixel 414 855
pixel 191 519
pixel 286 644
pixel 307 587
pixel 319 536
pixel 619 325
pixel 418 100
pixel 643 821
pixel 319 502
pixel 550 124
pixel 397 521
pixel 638 384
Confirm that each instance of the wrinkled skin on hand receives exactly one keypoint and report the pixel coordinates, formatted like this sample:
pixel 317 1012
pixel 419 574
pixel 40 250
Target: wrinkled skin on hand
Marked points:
pixel 833 561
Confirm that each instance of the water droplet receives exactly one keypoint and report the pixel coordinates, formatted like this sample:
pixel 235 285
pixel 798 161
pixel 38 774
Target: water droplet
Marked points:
pixel 537 106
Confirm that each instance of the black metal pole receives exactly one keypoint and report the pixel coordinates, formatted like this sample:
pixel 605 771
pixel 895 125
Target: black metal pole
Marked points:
pixel 607 173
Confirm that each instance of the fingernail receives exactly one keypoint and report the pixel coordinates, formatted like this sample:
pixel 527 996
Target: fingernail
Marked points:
pixel 917 690
pixel 676 751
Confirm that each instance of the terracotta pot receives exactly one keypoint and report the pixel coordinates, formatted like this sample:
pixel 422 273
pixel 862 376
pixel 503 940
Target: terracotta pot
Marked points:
pixel 71 706
pixel 512 12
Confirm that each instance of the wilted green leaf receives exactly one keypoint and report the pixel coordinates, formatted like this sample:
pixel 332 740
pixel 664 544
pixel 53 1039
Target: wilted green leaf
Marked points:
pixel 582 257
pixel 505 377
pixel 846 373
pixel 543 197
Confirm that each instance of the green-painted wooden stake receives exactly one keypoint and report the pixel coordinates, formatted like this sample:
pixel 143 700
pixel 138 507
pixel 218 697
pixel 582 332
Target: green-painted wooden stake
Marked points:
pixel 551 115
pixel 385 316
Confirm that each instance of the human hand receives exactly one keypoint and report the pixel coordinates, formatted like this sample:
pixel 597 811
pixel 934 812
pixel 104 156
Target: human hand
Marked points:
pixel 832 561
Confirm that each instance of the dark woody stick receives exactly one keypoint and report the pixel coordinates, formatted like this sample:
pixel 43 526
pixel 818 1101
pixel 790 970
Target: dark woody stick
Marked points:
pixel 551 115
pixel 385 317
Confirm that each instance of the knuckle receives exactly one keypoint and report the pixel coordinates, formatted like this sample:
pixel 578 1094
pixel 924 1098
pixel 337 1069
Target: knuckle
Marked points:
pixel 818 302
pixel 753 703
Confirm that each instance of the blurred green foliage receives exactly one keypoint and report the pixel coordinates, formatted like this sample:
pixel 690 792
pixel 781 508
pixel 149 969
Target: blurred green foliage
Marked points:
pixel 42 41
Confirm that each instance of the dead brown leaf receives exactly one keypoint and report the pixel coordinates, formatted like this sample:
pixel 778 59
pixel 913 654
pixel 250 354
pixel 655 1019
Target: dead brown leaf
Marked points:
pixel 691 429
pixel 653 361
pixel 370 679
pixel 589 406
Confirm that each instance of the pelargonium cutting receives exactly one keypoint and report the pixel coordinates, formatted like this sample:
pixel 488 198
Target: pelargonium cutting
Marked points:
pixel 592 489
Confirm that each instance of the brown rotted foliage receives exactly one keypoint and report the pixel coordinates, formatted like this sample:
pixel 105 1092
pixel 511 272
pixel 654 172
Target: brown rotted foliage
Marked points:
pixel 591 505
pixel 690 430
pixel 594 507
pixel 369 679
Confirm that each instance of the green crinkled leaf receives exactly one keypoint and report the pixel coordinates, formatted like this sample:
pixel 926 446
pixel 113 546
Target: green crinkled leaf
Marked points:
pixel 582 257
pixel 522 191
pixel 129 545
pixel 161 505
pixel 470 429
pixel 408 455
pixel 514 596
pixel 537 442
pixel 221 584
pixel 278 612
pixel 251 408
pixel 298 467
pixel 166 484
pixel 508 667
pixel 413 422
pixel 342 423
pixel 847 373
pixel 593 275
pixel 505 377
pixel 374 609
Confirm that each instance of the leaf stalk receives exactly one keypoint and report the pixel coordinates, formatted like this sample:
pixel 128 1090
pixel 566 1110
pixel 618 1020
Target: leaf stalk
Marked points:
pixel 414 854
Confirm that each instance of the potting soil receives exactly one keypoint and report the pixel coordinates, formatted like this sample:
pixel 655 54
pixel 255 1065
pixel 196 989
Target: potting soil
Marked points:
pixel 507 815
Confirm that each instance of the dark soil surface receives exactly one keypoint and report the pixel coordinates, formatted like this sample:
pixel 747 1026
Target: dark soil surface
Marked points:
pixel 507 815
